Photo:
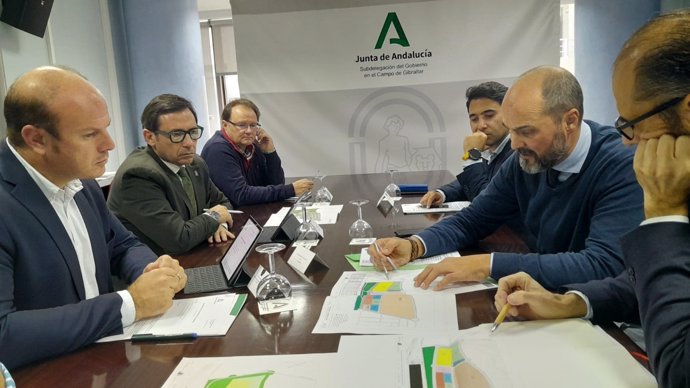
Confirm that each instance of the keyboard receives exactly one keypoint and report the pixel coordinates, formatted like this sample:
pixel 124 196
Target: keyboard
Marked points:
pixel 205 279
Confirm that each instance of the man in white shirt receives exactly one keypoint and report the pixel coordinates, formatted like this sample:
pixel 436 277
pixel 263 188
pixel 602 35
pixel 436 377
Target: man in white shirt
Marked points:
pixel 59 244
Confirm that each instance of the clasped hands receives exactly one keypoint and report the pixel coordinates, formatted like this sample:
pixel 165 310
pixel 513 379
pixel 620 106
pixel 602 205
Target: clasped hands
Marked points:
pixel 153 291
pixel 453 269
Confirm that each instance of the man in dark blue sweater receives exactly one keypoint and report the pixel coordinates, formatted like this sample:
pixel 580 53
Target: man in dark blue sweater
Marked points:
pixel 243 161
pixel 651 84
pixel 485 149
pixel 570 181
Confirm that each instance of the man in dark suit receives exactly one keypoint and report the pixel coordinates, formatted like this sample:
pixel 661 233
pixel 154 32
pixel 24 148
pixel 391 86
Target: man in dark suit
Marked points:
pixel 163 192
pixel 651 84
pixel 59 244
pixel 485 149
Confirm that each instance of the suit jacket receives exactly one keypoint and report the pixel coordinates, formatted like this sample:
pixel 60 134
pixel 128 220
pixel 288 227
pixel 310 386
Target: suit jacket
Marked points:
pixel 475 177
pixel 653 289
pixel 150 201
pixel 42 307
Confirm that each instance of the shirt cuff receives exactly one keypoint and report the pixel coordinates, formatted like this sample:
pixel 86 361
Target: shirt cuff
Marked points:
pixel 443 195
pixel 584 297
pixel 127 310
pixel 423 244
pixel 656 220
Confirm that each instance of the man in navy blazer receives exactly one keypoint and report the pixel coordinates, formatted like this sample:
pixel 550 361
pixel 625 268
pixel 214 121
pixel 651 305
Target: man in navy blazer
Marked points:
pixel 651 84
pixel 59 244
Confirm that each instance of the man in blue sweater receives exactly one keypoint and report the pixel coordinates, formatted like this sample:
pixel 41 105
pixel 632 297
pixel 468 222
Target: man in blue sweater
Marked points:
pixel 570 181
pixel 651 84
pixel 243 161
pixel 485 149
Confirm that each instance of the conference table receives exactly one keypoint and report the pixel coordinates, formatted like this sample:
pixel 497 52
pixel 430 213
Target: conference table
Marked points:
pixel 124 364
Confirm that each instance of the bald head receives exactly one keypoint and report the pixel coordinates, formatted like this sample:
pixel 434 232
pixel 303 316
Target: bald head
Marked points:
pixel 547 89
pixel 40 95
pixel 658 58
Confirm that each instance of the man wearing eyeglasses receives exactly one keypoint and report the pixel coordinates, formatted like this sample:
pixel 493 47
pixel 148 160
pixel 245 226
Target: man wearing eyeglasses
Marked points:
pixel 162 192
pixel 651 84
pixel 243 161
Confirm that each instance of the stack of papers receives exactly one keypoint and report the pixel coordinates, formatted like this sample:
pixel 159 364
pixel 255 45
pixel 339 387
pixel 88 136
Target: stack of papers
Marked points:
pixel 203 316
pixel 564 354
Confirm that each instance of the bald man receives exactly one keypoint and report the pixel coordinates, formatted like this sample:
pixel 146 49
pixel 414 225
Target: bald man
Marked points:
pixel 569 180
pixel 59 244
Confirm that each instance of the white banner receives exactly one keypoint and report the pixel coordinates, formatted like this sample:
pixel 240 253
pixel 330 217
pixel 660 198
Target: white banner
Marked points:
pixel 373 87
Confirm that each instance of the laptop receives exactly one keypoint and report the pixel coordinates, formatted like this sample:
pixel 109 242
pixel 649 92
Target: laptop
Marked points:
pixel 287 230
pixel 222 276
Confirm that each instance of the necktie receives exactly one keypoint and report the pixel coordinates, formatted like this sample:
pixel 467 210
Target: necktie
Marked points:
pixel 188 188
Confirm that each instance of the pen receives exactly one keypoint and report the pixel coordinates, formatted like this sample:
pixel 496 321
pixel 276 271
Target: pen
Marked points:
pixel 501 316
pixel 163 337
pixel 231 211
pixel 385 271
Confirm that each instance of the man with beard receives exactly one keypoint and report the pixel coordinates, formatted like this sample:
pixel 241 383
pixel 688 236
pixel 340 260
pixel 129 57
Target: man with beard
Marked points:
pixel 651 84
pixel 570 181
pixel 485 149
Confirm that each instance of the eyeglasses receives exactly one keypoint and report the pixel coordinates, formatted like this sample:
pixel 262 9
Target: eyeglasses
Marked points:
pixel 627 127
pixel 177 135
pixel 244 127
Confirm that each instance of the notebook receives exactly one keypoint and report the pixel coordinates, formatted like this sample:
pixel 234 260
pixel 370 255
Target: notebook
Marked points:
pixel 221 276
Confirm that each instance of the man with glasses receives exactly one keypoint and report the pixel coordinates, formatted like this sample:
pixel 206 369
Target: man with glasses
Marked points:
pixel 162 192
pixel 243 161
pixel 651 84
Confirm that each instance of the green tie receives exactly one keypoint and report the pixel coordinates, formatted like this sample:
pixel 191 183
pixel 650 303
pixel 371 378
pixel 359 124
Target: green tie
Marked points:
pixel 188 188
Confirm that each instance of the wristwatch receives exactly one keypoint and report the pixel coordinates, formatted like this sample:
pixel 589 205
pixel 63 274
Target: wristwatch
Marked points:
pixel 214 214
pixel 473 154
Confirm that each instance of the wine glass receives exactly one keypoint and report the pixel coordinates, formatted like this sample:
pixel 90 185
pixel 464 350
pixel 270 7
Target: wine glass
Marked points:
pixel 360 228
pixel 392 189
pixel 306 230
pixel 275 285
pixel 322 194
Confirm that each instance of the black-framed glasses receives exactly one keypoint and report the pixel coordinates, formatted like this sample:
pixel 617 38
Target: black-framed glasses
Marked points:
pixel 627 127
pixel 177 135
pixel 244 127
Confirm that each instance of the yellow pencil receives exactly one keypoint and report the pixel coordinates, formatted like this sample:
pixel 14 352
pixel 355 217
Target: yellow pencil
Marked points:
pixel 501 316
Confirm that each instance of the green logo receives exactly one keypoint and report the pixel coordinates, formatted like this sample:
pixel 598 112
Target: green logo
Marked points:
pixel 392 19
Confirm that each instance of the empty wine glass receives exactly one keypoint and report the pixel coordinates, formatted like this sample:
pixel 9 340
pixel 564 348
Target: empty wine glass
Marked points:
pixel 306 230
pixel 360 228
pixel 275 285
pixel 392 189
pixel 322 194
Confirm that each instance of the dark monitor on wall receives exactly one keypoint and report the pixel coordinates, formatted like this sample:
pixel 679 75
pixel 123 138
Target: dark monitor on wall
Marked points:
pixel 27 15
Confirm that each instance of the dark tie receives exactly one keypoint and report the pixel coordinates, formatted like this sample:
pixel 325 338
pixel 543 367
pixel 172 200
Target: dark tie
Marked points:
pixel 552 177
pixel 188 188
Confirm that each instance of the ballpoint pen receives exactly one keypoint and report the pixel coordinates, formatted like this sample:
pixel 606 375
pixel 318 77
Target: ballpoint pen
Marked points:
pixel 231 211
pixel 163 337
pixel 385 271
pixel 501 316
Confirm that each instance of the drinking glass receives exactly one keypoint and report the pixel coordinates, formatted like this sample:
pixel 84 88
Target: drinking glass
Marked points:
pixel 392 189
pixel 322 194
pixel 360 228
pixel 306 230
pixel 275 285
